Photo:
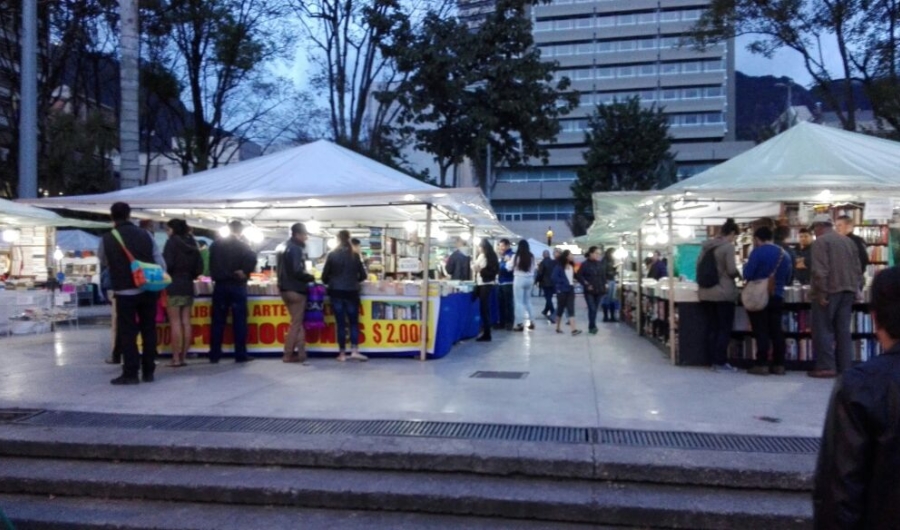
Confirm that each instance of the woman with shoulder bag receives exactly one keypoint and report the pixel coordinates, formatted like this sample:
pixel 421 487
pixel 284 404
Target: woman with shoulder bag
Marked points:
pixel 769 266
pixel 486 266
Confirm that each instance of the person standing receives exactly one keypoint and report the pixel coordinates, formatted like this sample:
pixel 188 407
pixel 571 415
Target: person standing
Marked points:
pixel 856 484
pixel 717 302
pixel 184 264
pixel 835 279
pixel 135 309
pixel 505 280
pixel 231 260
pixel 766 260
pixel 609 303
pixel 459 265
pixel 564 284
pixel 293 284
pixel 523 280
pixel 486 266
pixel 658 267
pixel 544 279
pixel 845 226
pixel 592 276
pixel 803 257
pixel 343 273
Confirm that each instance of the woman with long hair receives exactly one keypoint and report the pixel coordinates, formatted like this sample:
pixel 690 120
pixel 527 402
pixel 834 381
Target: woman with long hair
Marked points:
pixel 564 282
pixel 184 264
pixel 609 301
pixel 343 274
pixel 523 278
pixel 486 266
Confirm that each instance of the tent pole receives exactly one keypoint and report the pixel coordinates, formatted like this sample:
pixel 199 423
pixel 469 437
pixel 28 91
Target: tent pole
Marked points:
pixel 640 284
pixel 671 252
pixel 426 262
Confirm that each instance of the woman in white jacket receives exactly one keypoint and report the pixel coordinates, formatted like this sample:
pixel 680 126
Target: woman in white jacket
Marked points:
pixel 522 266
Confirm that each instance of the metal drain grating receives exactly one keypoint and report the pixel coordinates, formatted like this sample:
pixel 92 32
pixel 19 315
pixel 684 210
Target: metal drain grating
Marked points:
pixel 428 429
pixel 9 415
pixel 499 375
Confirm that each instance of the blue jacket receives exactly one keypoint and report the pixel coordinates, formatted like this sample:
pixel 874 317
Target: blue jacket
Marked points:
pixel 505 275
pixel 762 263
pixel 561 281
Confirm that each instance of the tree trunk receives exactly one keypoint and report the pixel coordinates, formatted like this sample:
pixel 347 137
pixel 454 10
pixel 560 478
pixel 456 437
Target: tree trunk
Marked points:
pixel 129 129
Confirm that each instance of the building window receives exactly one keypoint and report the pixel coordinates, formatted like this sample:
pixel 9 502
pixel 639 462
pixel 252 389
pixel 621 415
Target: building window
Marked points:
pixel 691 119
pixel 669 42
pixel 690 14
pixel 648 70
pixel 626 20
pixel 563 24
pixel 714 92
pixel 584 49
pixel 648 95
pixel 605 47
pixel 605 22
pixel 626 71
pixel 691 93
pixel 546 51
pixel 715 65
pixel 669 69
pixel 670 16
pixel 627 45
pixel 558 210
pixel 669 95
pixel 605 73
pixel 563 49
pixel 648 44
pixel 691 67
pixel 544 25
pixel 647 18
pixel 584 23
pixel 584 73
pixel 713 118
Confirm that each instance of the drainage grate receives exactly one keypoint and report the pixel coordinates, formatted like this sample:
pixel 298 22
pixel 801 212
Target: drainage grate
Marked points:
pixel 7 415
pixel 499 375
pixel 428 429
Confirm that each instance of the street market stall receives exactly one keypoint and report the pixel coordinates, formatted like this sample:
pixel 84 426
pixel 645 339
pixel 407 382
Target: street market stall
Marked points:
pixel 331 188
pixel 809 168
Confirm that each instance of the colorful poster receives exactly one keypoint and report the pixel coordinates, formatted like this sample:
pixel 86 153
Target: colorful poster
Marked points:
pixel 387 324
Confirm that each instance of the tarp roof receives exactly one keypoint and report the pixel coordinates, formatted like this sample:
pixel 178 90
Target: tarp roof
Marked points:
pixel 76 240
pixel 15 215
pixel 320 180
pixel 807 162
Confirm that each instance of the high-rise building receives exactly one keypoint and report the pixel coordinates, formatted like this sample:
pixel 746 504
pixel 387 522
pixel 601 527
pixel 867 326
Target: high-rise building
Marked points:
pixel 615 49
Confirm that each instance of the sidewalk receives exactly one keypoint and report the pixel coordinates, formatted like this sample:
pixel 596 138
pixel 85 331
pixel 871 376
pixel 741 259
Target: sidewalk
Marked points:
pixel 614 379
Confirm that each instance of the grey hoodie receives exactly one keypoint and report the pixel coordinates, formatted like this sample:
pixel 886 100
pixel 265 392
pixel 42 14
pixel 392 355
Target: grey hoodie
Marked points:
pixel 726 291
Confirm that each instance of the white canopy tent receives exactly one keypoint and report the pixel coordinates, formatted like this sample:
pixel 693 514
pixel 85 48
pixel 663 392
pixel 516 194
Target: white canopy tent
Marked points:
pixel 16 215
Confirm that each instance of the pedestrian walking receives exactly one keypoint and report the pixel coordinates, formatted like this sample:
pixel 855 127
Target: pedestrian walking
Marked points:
pixel 544 278
pixel 505 280
pixel 485 267
pixel 856 482
pixel 135 308
pixel 343 273
pixel 610 302
pixel 231 260
pixel 592 276
pixel 293 284
pixel 718 297
pixel 564 284
pixel 835 278
pixel 184 264
pixel 523 279
pixel 768 260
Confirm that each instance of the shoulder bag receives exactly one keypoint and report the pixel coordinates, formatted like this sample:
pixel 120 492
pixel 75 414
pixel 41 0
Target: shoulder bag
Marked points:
pixel 755 295
pixel 147 276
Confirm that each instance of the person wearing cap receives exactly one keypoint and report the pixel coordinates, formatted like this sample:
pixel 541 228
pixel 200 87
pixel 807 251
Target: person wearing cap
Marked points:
pixel 293 284
pixel 834 279
pixel 231 260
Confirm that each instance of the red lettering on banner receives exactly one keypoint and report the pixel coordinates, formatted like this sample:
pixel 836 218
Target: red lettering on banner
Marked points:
pixel 201 331
pixel 362 334
pixel 267 333
pixel 376 332
pixel 282 332
pixel 200 311
pixel 362 309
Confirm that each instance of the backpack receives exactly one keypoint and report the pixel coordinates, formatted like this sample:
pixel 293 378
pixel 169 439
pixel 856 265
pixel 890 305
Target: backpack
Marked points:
pixel 707 271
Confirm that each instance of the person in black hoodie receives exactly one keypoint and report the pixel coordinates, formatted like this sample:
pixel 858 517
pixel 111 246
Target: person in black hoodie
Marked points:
pixel 184 264
pixel 342 274
pixel 592 276
pixel 135 309
pixel 231 260
pixel 293 283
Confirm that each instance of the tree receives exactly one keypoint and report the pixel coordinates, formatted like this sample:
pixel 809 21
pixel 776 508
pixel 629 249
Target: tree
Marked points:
pixel 627 150
pixel 468 89
pixel 863 31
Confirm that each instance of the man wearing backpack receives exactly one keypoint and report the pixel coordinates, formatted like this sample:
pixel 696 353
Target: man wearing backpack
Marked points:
pixel 717 293
pixel 135 309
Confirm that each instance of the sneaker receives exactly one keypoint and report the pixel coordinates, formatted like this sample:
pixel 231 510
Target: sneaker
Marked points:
pixel 356 356
pixel 576 332
pixel 519 327
pixel 759 370
pixel 122 380
pixel 147 378
pixel 530 324
pixel 822 374
pixel 723 368
pixel 592 331
pixel 777 370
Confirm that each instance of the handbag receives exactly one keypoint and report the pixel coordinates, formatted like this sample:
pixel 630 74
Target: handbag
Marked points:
pixel 147 276
pixel 314 316
pixel 755 295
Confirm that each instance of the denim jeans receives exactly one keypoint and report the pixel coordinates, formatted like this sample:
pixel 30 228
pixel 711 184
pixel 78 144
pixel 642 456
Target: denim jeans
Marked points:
pixel 593 302
pixel 548 301
pixel 229 297
pixel 522 294
pixel 507 313
pixel 136 314
pixel 609 299
pixel 346 312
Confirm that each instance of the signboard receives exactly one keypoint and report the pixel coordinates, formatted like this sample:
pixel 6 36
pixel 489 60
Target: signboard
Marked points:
pixel 408 265
pixel 877 209
pixel 386 324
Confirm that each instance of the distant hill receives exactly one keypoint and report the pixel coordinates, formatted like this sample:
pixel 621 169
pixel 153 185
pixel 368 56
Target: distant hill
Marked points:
pixel 759 102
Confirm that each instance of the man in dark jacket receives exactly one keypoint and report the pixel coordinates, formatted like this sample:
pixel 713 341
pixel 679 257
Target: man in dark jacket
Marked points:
pixel 592 276
pixel 459 265
pixel 293 283
pixel 231 260
pixel 505 281
pixel 135 309
pixel 856 482
pixel 845 226
pixel 544 278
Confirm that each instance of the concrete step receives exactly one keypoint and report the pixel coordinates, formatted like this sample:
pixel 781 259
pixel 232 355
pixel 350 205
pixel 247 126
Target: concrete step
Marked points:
pixel 437 493
pixel 57 513
pixel 592 462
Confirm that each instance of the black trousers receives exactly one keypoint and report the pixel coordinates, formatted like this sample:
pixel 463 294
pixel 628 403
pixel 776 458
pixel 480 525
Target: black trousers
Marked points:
pixel 719 322
pixel 548 300
pixel 768 332
pixel 484 306
pixel 136 314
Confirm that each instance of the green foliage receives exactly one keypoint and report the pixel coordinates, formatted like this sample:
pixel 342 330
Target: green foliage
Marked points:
pixel 468 88
pixel 76 160
pixel 628 150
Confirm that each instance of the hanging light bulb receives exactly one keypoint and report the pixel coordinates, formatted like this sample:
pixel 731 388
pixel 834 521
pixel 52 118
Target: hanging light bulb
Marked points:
pixel 620 253
pixel 254 234
pixel 58 254
pixel 11 235
pixel 465 236
pixel 662 238
pixel 224 231
pixel 651 240
pixel 685 232
pixel 332 243
pixel 280 248
pixel 313 226
pixel 411 226
pixel 441 235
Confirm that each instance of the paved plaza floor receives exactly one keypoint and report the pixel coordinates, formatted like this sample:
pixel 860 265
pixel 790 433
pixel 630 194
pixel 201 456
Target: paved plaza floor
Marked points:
pixel 614 379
